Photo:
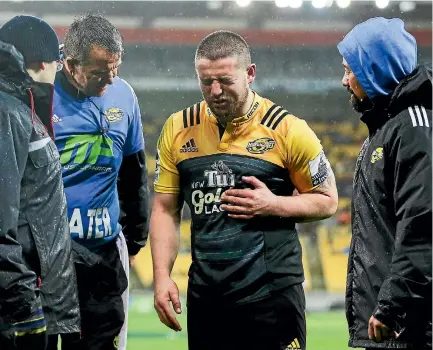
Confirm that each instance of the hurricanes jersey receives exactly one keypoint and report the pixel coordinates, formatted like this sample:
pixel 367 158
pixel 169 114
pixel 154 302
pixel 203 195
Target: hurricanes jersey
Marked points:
pixel 93 134
pixel 239 260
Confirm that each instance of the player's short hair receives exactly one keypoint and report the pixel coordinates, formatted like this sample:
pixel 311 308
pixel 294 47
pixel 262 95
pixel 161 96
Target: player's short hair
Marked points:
pixel 88 31
pixel 223 44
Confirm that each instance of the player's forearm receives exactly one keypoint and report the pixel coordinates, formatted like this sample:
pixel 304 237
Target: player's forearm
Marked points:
pixel 306 207
pixel 318 204
pixel 164 242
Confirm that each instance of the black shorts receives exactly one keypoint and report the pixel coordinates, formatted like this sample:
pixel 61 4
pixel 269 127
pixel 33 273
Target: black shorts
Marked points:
pixel 275 323
pixel 101 282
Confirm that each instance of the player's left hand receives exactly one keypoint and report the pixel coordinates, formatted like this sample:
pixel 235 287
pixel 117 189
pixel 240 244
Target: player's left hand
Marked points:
pixel 247 203
pixel 131 260
pixel 378 331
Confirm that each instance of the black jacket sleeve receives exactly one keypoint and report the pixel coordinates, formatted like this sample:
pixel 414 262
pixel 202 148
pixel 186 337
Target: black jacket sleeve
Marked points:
pixel 408 288
pixel 134 201
pixel 17 283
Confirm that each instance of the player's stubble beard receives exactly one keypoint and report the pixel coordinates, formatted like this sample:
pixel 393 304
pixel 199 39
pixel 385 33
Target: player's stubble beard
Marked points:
pixel 233 106
pixel 84 87
pixel 359 105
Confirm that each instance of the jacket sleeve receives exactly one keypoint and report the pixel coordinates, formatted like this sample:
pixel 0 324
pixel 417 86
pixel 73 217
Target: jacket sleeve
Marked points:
pixel 134 200
pixel 18 299
pixel 409 285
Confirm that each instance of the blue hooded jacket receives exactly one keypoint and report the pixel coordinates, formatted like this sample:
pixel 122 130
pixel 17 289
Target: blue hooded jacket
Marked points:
pixel 380 52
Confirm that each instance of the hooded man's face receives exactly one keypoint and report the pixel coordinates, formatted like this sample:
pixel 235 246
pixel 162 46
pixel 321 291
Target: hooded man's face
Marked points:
pixel 357 93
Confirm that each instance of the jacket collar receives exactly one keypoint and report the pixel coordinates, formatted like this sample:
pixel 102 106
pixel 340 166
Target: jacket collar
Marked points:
pixel 415 89
pixel 377 115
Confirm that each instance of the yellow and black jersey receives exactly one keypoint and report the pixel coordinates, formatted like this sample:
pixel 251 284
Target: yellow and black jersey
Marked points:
pixel 240 260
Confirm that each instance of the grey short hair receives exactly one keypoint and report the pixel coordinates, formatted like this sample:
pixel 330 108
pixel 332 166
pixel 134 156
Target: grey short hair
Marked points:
pixel 88 31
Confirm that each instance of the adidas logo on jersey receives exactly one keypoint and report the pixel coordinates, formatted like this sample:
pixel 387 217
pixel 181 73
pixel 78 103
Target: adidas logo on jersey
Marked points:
pixel 56 118
pixel 189 147
pixel 294 345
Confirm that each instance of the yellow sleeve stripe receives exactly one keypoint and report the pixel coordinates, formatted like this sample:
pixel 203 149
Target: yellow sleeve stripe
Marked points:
pixel 166 190
pixel 28 321
pixel 31 331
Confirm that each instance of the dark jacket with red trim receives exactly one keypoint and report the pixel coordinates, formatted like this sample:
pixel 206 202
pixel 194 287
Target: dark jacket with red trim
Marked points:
pixel 35 247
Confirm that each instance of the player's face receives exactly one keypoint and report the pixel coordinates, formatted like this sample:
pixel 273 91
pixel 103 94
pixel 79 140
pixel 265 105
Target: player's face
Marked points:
pixel 224 84
pixel 357 93
pixel 99 71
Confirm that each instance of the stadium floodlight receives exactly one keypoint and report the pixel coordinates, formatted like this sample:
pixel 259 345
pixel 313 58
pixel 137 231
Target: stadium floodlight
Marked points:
pixel 214 4
pixel 243 3
pixel 407 6
pixel 343 3
pixel 282 3
pixel 382 3
pixel 295 4
pixel 318 4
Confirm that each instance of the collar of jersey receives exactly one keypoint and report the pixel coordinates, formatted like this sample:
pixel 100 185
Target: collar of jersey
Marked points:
pixel 252 112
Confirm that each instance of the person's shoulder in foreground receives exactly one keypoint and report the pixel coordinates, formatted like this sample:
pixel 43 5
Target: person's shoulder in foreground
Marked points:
pixel 33 199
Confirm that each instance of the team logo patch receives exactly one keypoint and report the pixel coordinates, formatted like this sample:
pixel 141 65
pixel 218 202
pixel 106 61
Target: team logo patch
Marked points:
pixel 318 169
pixel 114 114
pixel 157 166
pixel 260 146
pixel 377 154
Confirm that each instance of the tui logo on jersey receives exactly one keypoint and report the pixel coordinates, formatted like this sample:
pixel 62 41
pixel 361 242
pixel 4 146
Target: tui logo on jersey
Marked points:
pixel 261 145
pixel 114 115
pixel 377 154
pixel 209 201
pixel 220 175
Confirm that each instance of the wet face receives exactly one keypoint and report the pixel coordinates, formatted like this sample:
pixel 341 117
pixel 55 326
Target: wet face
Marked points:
pixel 224 84
pixel 357 93
pixel 93 76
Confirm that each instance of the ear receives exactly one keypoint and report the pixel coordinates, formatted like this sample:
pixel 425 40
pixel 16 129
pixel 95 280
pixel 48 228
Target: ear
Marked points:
pixel 70 64
pixel 251 71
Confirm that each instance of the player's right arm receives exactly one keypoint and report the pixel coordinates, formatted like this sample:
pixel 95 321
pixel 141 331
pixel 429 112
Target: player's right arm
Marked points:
pixel 164 222
pixel 164 244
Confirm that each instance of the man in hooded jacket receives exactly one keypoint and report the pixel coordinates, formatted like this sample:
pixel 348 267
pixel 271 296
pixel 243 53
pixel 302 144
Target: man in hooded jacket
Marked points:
pixel 38 291
pixel 389 282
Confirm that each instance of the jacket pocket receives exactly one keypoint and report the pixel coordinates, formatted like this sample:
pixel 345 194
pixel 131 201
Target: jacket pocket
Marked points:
pixel 82 255
pixel 29 245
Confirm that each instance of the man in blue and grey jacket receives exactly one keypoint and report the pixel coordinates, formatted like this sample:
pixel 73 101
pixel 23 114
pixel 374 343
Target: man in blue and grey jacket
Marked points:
pixel 99 136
